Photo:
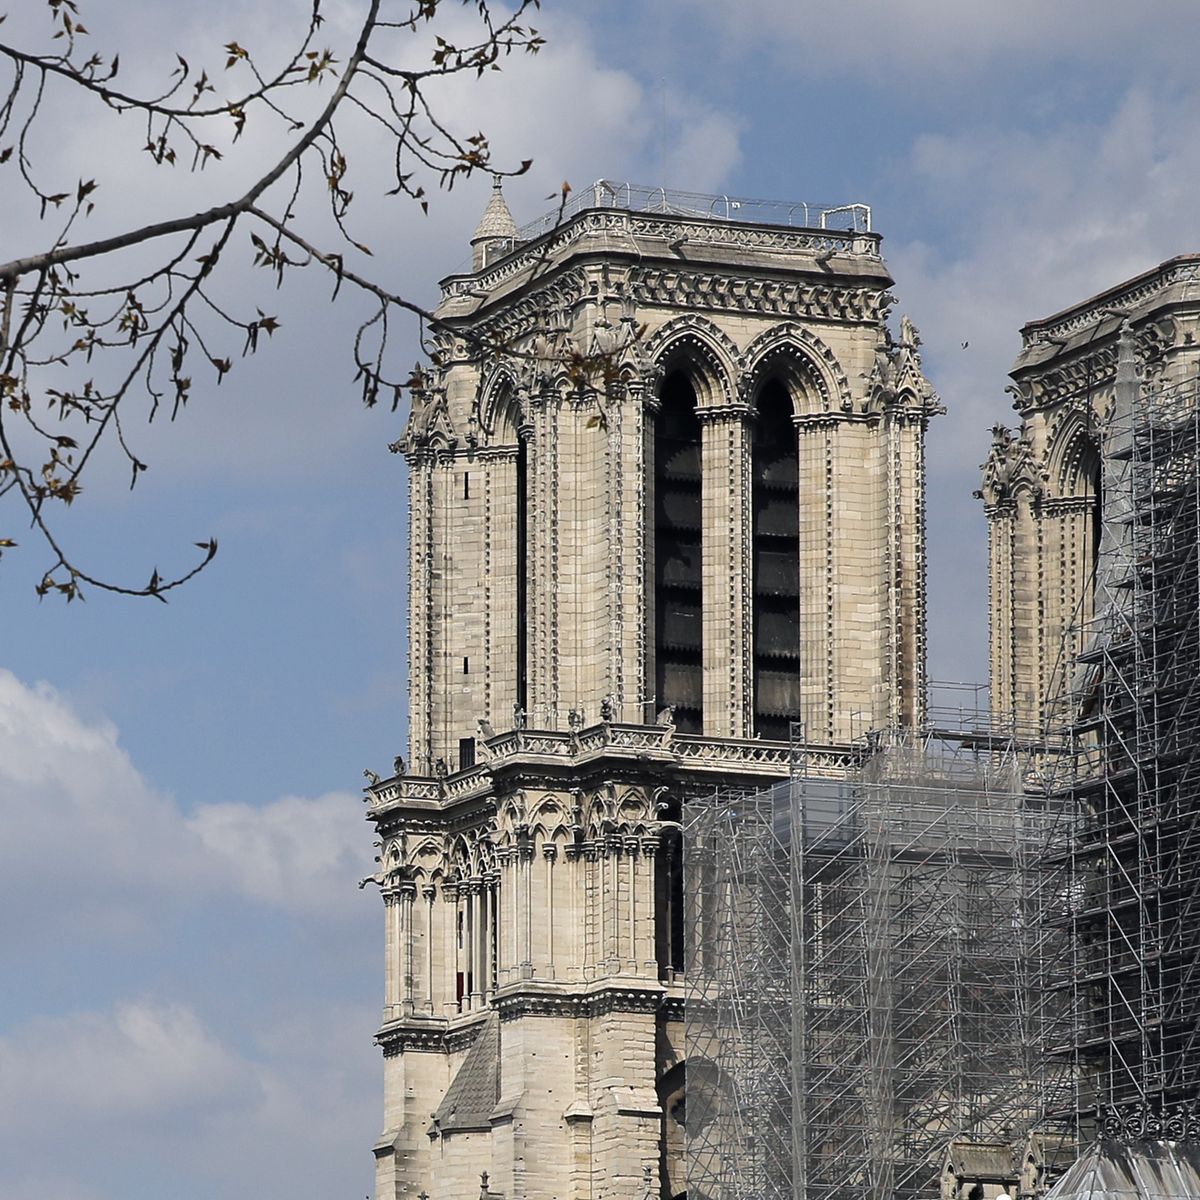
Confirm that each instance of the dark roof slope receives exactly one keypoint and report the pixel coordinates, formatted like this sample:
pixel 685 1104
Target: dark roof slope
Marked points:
pixel 471 1098
pixel 1132 1171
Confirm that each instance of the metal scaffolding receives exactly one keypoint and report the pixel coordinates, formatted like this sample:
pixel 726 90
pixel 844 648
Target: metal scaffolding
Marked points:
pixel 868 976
pixel 1133 712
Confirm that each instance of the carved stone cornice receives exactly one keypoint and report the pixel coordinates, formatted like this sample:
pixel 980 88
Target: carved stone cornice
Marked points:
pixel 1141 1122
pixel 700 290
pixel 717 414
pixel 526 1001
pixel 1074 378
pixel 429 1035
pixel 638 745
pixel 1158 282
pixel 1063 505
pixel 635 229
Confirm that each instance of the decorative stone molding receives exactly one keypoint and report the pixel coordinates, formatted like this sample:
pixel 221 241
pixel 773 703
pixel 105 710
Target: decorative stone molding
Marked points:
pixel 1137 291
pixel 705 346
pixel 524 1002
pixel 805 361
pixel 666 228
pixel 1011 467
pixel 703 290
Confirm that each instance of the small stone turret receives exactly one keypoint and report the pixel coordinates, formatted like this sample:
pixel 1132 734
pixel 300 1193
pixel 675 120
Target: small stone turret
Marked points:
pixel 496 233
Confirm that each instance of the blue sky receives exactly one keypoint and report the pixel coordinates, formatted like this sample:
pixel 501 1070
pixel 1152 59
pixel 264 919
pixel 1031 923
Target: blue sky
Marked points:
pixel 192 976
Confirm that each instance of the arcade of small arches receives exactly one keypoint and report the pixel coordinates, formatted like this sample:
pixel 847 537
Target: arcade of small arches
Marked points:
pixel 565 887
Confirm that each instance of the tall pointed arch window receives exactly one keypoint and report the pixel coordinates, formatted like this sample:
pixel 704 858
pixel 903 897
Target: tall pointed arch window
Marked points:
pixel 522 573
pixel 509 534
pixel 775 512
pixel 1078 479
pixel 678 613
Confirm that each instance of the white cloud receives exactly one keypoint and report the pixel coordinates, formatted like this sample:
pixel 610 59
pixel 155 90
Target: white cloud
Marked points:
pixel 179 1014
pixel 146 1094
pixel 294 853
pixel 75 806
pixel 140 1062
pixel 1035 224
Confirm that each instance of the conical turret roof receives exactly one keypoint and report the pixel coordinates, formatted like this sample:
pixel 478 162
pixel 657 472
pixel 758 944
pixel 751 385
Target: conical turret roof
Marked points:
pixel 497 221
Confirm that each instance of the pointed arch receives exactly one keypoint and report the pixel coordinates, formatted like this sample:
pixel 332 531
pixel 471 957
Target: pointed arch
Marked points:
pixel 702 351
pixel 499 416
pixel 1073 458
pixel 501 412
pixel 806 367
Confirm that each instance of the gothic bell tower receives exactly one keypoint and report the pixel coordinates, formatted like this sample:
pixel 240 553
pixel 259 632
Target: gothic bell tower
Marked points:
pixel 666 499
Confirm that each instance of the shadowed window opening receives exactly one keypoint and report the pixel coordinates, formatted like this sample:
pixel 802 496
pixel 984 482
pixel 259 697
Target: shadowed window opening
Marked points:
pixel 466 753
pixel 669 907
pixel 1091 466
pixel 678 634
pixel 522 573
pixel 776 566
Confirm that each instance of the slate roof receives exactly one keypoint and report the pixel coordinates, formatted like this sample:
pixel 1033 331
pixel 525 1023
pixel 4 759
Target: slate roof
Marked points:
pixel 1132 1171
pixel 471 1097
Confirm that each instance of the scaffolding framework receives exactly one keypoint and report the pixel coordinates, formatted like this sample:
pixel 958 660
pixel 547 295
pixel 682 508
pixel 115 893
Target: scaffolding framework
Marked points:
pixel 1132 784
pixel 867 977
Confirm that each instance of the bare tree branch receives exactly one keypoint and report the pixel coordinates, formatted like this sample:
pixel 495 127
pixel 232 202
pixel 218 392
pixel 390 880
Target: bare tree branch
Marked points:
pixel 82 334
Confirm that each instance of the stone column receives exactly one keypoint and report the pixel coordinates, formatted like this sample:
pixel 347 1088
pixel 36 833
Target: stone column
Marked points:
pixel 513 863
pixel 501 899
pixel 500 585
pixel 612 850
pixel 589 908
pixel 550 853
pixel 632 857
pixel 1000 612
pixel 459 922
pixel 649 848
pixel 474 936
pixel 429 892
pixel 817 577
pixel 391 925
pixel 449 943
pixel 408 896
pixel 421 615
pixel 576 900
pixel 542 648
pixel 483 949
pixel 643 709
pixel 525 854
pixel 725 501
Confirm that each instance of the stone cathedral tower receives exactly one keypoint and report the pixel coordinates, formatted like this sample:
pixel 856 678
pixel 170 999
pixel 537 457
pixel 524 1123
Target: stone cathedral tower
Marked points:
pixel 667 471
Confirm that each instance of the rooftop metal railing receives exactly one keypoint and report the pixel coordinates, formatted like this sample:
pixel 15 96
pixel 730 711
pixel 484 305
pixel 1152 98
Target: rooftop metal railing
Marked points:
pixel 635 197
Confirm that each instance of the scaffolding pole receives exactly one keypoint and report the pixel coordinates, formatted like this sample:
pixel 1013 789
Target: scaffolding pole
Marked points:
pixel 1133 787
pixel 870 975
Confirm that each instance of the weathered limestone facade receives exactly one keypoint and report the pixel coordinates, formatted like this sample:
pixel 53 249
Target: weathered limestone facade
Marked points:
pixel 667 488
pixel 1041 484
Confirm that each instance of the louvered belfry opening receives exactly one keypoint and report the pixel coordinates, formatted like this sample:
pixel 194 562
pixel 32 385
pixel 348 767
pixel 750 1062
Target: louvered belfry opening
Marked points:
pixel 678 633
pixel 522 575
pixel 776 565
